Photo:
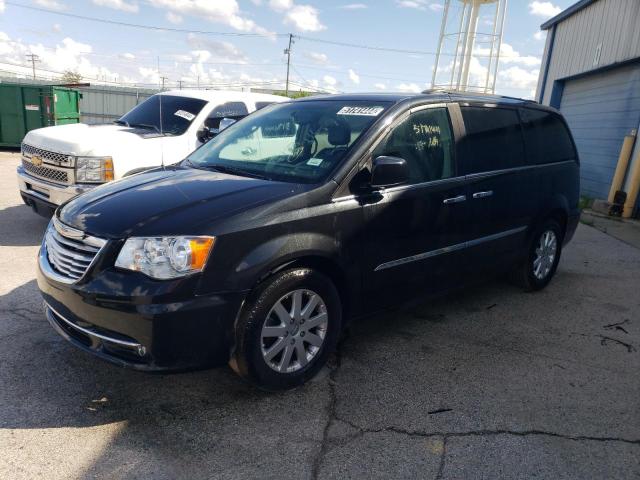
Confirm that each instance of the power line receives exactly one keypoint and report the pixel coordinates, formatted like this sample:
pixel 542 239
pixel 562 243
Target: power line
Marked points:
pixel 148 27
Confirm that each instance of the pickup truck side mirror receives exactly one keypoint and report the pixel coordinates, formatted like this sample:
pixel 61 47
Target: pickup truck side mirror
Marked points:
pixel 205 134
pixel 389 172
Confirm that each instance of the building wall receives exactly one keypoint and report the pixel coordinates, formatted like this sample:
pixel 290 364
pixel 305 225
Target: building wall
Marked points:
pixel 610 27
pixel 102 104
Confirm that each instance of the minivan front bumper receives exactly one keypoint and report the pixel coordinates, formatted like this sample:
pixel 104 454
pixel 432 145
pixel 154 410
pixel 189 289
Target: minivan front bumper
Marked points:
pixel 148 332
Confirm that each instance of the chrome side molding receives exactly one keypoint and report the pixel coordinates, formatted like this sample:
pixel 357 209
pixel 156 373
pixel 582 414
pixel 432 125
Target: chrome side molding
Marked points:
pixel 448 249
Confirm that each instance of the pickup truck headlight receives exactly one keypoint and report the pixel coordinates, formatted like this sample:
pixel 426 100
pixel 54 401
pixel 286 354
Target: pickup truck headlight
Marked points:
pixel 163 258
pixel 94 169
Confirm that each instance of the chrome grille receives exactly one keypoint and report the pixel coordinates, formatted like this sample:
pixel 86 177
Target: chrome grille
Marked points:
pixel 56 175
pixel 70 252
pixel 61 159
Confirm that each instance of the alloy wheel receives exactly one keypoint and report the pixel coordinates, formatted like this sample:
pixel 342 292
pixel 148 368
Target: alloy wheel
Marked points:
pixel 294 330
pixel 545 254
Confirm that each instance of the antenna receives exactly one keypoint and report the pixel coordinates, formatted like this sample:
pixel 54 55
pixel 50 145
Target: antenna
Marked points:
pixel 161 133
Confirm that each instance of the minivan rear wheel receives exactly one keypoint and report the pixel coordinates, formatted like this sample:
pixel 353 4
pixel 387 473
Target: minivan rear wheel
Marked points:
pixel 287 329
pixel 543 255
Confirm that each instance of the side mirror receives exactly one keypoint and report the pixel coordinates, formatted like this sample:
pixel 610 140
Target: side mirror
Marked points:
pixel 205 134
pixel 389 172
pixel 226 123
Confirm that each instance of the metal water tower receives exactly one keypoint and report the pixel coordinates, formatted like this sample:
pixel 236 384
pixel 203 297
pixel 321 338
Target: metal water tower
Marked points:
pixel 469 47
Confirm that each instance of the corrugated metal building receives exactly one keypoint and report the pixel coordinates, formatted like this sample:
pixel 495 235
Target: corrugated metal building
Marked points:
pixel 591 72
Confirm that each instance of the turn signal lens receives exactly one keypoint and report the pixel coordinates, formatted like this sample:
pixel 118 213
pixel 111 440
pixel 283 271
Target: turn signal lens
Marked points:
pixel 108 169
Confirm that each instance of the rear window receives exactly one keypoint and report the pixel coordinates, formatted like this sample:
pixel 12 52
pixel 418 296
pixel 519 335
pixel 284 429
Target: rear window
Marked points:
pixel 493 140
pixel 546 137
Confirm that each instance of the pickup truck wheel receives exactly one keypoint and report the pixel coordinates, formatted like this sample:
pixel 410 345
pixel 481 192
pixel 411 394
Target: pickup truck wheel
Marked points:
pixel 287 329
pixel 543 255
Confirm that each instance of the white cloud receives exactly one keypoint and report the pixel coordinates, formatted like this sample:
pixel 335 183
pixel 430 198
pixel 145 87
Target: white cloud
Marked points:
pixel 520 79
pixel 173 17
pixel 541 35
pixel 380 86
pixel 117 5
pixel 354 77
pixel 509 55
pixel 304 18
pixel 128 56
pixel 226 12
pixel 353 6
pixel 420 5
pixel 329 80
pixel 217 49
pixel 544 9
pixel 409 88
pixel 56 27
pixel 317 58
pixel 2 6
pixel 51 4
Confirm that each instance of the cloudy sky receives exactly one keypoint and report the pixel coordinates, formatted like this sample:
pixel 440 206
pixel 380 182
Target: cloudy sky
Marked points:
pixel 241 42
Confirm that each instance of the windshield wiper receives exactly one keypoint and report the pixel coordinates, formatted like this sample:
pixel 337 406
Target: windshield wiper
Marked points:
pixel 232 171
pixel 122 122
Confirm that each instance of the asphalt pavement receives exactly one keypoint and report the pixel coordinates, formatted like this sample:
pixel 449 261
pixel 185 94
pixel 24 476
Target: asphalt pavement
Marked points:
pixel 489 382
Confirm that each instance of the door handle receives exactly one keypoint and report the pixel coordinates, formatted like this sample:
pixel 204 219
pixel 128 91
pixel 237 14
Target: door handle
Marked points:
pixel 483 194
pixel 458 199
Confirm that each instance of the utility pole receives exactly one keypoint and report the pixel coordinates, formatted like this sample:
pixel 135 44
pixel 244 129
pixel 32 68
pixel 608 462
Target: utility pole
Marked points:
pixel 180 84
pixel 287 52
pixel 163 79
pixel 34 58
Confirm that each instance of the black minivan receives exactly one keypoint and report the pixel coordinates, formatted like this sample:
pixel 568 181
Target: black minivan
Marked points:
pixel 259 247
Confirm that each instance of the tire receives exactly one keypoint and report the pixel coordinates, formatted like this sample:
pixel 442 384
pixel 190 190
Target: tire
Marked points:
pixel 535 274
pixel 271 358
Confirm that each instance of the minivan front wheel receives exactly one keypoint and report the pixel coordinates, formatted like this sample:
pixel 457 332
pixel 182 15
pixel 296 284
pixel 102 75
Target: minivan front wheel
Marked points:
pixel 543 256
pixel 287 329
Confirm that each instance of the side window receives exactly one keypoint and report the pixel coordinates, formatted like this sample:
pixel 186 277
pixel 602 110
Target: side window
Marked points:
pixel 425 141
pixel 235 110
pixel 493 140
pixel 545 137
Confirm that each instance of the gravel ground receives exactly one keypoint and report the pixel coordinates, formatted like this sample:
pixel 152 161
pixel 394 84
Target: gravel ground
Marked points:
pixel 487 383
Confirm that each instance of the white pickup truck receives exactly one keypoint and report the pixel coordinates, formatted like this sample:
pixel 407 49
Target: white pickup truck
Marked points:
pixel 61 162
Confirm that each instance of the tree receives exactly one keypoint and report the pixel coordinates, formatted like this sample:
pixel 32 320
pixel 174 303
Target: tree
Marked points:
pixel 69 76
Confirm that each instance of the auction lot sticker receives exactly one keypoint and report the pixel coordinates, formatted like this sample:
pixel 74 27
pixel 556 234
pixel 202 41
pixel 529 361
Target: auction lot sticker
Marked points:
pixel 363 111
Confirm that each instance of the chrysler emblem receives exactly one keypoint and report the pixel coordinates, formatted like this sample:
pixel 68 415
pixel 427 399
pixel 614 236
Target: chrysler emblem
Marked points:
pixel 36 160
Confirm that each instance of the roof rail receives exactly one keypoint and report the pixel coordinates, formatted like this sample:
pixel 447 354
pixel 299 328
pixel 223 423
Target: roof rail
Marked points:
pixel 474 94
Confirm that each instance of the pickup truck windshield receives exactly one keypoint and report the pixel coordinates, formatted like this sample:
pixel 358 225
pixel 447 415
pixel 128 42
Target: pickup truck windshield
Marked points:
pixel 299 142
pixel 177 114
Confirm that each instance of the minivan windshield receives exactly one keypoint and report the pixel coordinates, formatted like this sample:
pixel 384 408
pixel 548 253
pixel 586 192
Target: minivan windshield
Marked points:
pixel 299 142
pixel 177 114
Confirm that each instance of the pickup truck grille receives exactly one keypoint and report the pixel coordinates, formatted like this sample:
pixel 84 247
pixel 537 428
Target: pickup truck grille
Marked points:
pixel 47 156
pixel 54 175
pixel 69 251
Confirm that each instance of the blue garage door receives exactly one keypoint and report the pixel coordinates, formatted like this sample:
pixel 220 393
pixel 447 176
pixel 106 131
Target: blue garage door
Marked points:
pixel 601 109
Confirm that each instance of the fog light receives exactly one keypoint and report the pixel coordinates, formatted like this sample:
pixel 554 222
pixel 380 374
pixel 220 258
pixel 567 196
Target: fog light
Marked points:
pixel 142 350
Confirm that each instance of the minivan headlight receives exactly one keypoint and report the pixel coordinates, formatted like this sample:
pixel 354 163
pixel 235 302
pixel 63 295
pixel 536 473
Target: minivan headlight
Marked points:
pixel 94 169
pixel 163 258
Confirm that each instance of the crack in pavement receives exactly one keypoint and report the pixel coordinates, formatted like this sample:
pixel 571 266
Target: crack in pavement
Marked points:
pixel 481 433
pixel 331 410
pixel 327 443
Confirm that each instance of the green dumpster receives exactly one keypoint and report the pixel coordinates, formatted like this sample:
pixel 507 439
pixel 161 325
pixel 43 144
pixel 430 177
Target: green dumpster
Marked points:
pixel 25 107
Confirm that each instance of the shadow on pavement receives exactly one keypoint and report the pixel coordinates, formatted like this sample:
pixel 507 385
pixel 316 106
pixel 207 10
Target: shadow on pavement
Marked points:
pixel 20 226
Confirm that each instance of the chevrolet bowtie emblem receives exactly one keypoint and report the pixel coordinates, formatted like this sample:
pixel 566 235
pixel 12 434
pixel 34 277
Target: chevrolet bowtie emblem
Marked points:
pixel 36 160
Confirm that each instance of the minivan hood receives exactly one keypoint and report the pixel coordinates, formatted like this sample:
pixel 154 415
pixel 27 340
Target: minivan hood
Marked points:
pixel 82 139
pixel 176 201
